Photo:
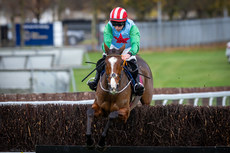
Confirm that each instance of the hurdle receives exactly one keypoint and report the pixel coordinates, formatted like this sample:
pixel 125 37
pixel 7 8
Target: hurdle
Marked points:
pixel 134 149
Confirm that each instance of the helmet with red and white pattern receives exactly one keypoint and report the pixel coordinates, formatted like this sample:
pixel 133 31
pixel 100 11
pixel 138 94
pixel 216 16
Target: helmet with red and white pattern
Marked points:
pixel 118 14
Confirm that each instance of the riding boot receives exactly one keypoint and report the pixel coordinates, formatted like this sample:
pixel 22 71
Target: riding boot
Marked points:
pixel 138 87
pixel 93 84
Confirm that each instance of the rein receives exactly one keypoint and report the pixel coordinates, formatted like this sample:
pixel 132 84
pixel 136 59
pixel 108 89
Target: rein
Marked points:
pixel 124 64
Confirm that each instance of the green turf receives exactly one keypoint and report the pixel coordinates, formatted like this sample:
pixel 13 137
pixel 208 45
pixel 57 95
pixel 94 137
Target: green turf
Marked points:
pixel 200 67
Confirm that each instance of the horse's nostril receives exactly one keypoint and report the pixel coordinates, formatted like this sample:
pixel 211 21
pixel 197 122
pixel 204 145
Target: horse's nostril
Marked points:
pixel 113 75
pixel 113 91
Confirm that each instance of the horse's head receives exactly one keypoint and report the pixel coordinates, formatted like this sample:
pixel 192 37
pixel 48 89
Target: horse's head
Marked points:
pixel 113 66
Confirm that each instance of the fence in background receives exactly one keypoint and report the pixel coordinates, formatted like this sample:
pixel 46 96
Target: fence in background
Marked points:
pixel 35 81
pixel 184 33
pixel 39 70
pixel 27 61
pixel 63 56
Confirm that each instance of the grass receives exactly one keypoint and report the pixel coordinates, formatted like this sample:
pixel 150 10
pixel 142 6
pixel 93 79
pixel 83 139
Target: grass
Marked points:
pixel 194 67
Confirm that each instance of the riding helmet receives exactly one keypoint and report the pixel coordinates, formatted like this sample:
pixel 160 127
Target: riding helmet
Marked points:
pixel 118 14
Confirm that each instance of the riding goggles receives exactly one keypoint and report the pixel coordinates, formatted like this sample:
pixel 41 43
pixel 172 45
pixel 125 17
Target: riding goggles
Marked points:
pixel 119 24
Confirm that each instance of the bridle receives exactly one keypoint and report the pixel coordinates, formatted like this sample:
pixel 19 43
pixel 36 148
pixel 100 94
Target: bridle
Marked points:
pixel 116 92
pixel 114 75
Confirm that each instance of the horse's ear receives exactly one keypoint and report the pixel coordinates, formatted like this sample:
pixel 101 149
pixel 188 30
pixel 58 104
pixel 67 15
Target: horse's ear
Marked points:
pixel 122 49
pixel 106 48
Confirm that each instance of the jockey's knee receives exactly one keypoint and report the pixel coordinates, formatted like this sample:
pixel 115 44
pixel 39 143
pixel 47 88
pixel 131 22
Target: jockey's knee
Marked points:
pixel 133 67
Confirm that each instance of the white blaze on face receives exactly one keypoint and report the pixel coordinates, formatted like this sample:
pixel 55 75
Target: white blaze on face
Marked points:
pixel 112 61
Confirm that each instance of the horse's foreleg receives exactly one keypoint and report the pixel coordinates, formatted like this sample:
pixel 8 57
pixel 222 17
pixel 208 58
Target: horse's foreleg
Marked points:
pixel 101 144
pixel 124 114
pixel 89 140
pixel 95 110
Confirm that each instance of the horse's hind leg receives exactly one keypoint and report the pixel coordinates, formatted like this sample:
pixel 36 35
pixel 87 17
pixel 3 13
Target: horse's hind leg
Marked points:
pixel 147 95
pixel 146 99
pixel 89 140
pixel 101 145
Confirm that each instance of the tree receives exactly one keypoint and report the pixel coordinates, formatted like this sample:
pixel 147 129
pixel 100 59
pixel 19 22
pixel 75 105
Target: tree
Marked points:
pixel 170 7
pixel 141 8
pixel 13 10
pixel 205 8
pixel 38 7
pixel 184 7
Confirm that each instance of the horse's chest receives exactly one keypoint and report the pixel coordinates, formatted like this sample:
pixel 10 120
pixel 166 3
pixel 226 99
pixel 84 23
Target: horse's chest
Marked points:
pixel 113 104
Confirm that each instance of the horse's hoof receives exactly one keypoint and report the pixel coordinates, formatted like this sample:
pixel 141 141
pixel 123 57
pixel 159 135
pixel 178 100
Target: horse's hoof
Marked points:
pixel 90 147
pixel 101 148
pixel 90 143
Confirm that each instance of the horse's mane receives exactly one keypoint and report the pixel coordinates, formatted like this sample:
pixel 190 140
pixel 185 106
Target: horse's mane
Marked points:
pixel 113 52
pixel 114 55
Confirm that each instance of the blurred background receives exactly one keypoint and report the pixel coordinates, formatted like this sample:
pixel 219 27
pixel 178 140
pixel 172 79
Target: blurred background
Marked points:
pixel 44 43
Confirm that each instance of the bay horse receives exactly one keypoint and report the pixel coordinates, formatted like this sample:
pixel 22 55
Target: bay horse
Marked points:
pixel 114 96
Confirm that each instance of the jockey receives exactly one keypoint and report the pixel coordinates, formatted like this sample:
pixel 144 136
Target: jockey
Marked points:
pixel 117 32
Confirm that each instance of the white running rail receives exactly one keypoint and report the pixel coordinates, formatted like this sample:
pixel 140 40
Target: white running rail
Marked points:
pixel 195 96
pixel 165 97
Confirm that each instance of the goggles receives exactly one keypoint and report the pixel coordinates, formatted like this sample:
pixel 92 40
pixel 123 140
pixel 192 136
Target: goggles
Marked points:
pixel 119 24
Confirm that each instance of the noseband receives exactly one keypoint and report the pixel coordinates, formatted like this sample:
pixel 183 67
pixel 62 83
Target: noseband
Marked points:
pixel 117 92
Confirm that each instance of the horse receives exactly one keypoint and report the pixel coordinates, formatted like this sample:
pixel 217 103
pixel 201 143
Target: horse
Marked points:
pixel 114 97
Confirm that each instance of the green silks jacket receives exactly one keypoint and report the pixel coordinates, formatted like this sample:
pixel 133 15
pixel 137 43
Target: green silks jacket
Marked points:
pixel 131 29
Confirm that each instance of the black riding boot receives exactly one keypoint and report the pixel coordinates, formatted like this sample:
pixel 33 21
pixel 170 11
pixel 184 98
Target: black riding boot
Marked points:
pixel 93 84
pixel 138 87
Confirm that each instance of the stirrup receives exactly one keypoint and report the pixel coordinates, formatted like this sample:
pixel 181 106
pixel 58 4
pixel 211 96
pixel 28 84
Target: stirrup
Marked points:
pixel 90 80
pixel 92 84
pixel 139 92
